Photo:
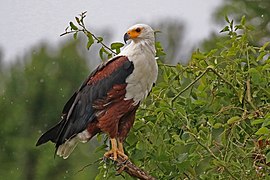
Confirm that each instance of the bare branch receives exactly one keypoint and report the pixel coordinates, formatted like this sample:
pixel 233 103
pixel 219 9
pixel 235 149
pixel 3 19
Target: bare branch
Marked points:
pixel 131 169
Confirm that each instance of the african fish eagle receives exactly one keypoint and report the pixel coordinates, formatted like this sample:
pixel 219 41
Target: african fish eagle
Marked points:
pixel 108 99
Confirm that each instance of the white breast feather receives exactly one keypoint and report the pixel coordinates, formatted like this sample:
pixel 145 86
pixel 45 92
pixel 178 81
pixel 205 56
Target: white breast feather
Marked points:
pixel 140 82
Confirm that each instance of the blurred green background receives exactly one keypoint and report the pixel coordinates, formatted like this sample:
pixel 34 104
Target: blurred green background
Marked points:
pixel 33 92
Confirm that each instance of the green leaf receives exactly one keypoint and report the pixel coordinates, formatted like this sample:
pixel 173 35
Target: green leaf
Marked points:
pixel 78 20
pixel 160 52
pixel 75 35
pixel 255 76
pixel 212 52
pixel 198 55
pixel 233 119
pixel 268 157
pixel 182 157
pixel 117 46
pixel 262 131
pixel 73 27
pixel 264 46
pixel 231 24
pixel 103 51
pixel 100 39
pixel 140 145
pixel 225 29
pixel 257 121
pixel 243 20
pixel 90 40
pixel 218 125
pixel 266 122
pixel 238 27
pixel 109 56
pixel 266 67
pixel 227 19
pixel 261 55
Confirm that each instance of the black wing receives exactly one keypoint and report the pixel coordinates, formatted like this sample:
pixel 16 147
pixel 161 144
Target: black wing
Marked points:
pixel 79 111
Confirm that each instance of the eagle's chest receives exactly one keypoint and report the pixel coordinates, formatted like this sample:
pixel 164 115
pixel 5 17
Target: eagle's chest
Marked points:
pixel 141 80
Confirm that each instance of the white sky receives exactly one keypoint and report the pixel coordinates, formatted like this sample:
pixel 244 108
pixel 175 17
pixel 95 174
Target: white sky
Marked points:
pixel 25 23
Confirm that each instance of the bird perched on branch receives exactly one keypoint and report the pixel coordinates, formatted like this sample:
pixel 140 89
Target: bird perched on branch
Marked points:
pixel 108 99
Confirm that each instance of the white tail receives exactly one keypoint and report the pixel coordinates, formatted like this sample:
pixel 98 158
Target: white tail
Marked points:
pixel 66 149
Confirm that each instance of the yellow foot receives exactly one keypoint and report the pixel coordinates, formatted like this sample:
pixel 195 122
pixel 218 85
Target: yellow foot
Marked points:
pixel 115 151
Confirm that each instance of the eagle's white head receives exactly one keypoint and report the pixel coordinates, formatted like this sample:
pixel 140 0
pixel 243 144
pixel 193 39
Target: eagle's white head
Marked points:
pixel 142 38
pixel 140 32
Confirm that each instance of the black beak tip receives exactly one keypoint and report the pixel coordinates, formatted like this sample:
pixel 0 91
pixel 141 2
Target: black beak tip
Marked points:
pixel 126 38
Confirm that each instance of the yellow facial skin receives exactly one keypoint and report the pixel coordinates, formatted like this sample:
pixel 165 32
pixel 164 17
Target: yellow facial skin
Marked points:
pixel 132 34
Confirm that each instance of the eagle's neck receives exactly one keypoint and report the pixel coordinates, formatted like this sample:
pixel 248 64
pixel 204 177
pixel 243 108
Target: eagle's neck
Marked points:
pixel 144 75
pixel 140 46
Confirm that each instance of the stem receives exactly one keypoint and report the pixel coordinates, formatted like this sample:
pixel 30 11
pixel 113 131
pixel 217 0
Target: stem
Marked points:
pixel 88 165
pixel 248 90
pixel 213 155
pixel 187 87
pixel 249 99
pixel 85 31
pixel 167 65
pixel 95 37
pixel 227 82
pixel 215 72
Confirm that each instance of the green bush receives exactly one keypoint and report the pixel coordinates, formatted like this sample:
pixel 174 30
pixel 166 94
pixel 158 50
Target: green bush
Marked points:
pixel 209 119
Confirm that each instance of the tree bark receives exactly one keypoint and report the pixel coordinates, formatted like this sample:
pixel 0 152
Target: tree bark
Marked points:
pixel 132 169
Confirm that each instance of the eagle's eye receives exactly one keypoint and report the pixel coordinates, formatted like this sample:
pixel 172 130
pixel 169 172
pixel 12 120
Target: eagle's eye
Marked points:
pixel 138 30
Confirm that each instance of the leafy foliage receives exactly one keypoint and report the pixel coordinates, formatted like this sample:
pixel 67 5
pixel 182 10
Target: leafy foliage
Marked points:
pixel 209 119
pixel 105 52
pixel 256 12
pixel 35 91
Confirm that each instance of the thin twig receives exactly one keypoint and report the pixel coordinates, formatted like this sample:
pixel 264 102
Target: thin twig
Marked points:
pixel 167 65
pixel 235 90
pixel 227 108
pixel 87 32
pixel 213 155
pixel 227 82
pixel 71 32
pixel 124 165
pixel 215 72
pixel 187 87
pixel 96 38
pixel 87 165
pixel 248 90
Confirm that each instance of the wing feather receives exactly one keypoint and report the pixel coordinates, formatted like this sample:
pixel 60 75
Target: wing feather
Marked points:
pixel 78 112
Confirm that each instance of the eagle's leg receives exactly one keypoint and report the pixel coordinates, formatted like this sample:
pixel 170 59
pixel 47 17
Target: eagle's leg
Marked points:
pixel 116 151
pixel 113 150
pixel 121 150
pixel 120 146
